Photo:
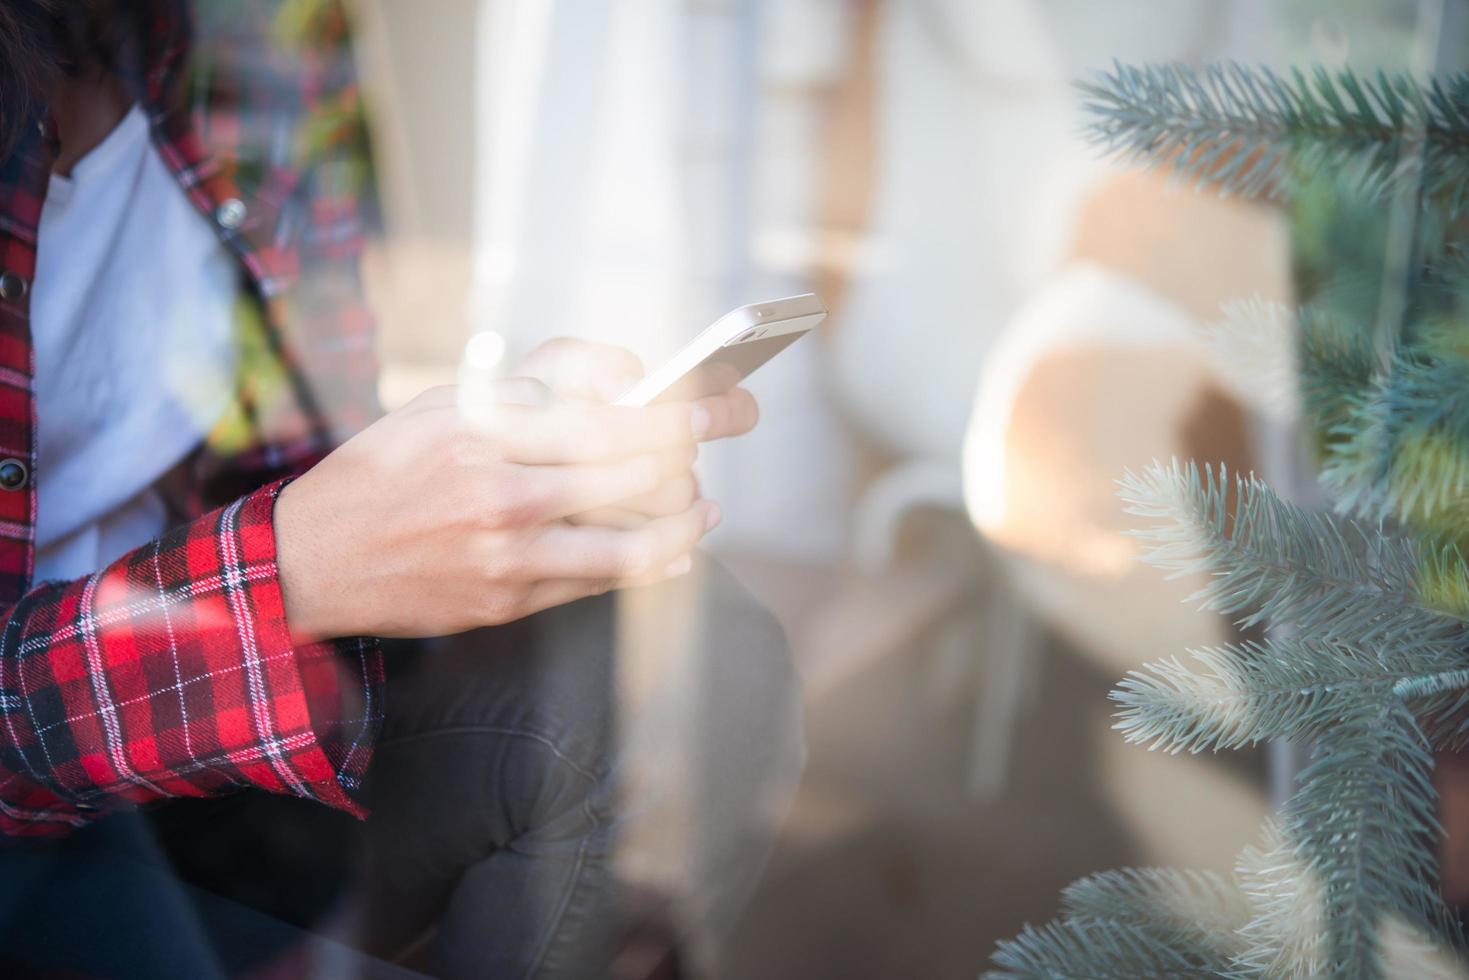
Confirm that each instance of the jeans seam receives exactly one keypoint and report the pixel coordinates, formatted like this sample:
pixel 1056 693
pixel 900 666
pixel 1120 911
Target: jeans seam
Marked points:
pixel 575 766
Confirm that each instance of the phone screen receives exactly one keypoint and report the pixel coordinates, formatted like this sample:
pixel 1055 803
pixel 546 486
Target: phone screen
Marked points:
pixel 727 367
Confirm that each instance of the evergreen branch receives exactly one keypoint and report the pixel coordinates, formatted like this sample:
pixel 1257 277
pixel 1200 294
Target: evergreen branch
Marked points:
pixel 1440 701
pixel 1443 714
pixel 1254 346
pixel 1243 129
pixel 1270 560
pixel 1402 448
pixel 1097 949
pixel 1445 682
pixel 1336 363
pixel 1377 667
pixel 1285 936
pixel 1292 688
pixel 1178 909
pixel 1355 857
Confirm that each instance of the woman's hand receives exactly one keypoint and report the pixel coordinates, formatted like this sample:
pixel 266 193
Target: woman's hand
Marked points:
pixel 434 521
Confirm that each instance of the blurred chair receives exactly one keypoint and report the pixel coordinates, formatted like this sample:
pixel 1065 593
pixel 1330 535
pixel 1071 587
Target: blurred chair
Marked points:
pixel 1108 367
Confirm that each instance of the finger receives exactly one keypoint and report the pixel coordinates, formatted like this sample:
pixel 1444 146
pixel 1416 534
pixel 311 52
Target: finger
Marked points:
pixel 571 551
pixel 482 404
pixel 523 390
pixel 672 497
pixel 560 491
pixel 619 517
pixel 581 369
pixel 731 414
pixel 586 433
pixel 556 592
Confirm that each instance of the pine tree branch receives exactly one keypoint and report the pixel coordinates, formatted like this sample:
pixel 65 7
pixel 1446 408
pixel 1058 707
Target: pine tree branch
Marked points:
pixel 1346 887
pixel 1255 347
pixel 1244 129
pixel 1242 694
pixel 1360 824
pixel 1401 449
pixel 1285 936
pixel 1337 362
pixel 1186 910
pixel 1347 884
pixel 1270 560
pixel 1095 949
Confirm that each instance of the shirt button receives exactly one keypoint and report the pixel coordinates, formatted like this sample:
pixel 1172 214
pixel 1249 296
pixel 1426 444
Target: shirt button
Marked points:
pixel 230 214
pixel 13 474
pixel 12 287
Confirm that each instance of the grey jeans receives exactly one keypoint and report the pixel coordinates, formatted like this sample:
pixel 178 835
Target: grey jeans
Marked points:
pixel 523 772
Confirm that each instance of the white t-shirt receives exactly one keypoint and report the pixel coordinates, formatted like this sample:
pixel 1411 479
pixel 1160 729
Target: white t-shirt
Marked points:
pixel 131 316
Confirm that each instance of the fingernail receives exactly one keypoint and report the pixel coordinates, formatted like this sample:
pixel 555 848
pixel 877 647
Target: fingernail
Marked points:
pixel 700 421
pixel 711 516
pixel 679 566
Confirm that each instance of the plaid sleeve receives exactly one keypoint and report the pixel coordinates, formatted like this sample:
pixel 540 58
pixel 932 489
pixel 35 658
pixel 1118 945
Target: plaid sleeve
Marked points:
pixel 171 673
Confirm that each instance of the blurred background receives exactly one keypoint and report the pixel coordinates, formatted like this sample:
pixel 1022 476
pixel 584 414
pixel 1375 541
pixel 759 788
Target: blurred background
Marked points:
pixel 928 505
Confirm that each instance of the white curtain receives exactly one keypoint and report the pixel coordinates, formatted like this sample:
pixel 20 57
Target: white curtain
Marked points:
pixel 628 154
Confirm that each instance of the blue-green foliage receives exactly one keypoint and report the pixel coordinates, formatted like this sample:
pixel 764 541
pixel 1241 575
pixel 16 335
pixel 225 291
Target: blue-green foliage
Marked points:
pixel 1249 130
pixel 1357 834
pixel 1098 949
pixel 1368 654
pixel 1361 823
pixel 1399 449
pixel 1268 560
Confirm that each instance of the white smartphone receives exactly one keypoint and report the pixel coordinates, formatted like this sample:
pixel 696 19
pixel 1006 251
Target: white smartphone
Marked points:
pixel 729 351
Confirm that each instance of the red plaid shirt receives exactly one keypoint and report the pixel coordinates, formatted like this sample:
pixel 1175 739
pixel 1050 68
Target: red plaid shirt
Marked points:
pixel 171 671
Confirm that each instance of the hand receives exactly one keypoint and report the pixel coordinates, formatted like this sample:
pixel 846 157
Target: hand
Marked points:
pixel 431 522
pixel 581 370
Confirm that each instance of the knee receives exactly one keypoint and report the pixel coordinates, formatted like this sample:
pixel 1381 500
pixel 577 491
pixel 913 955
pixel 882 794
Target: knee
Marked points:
pixel 544 790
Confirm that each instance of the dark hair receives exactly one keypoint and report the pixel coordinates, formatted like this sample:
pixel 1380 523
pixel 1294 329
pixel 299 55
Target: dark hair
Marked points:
pixel 40 40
